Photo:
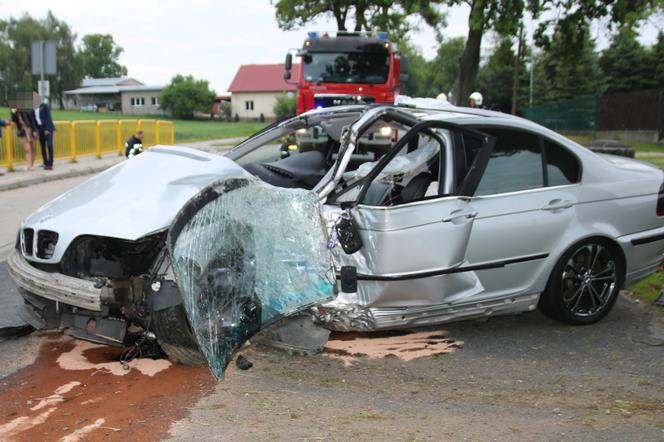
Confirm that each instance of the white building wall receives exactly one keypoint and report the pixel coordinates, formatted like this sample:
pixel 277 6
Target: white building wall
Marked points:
pixel 147 108
pixel 263 103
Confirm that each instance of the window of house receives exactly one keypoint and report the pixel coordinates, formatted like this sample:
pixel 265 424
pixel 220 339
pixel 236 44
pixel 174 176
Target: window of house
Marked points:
pixel 561 166
pixel 137 101
pixel 132 100
pixel 515 163
pixel 249 105
pixel 155 101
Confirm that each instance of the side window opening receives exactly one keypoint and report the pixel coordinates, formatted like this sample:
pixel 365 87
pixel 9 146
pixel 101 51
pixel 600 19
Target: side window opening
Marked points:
pixel 299 158
pixel 413 174
pixel 515 163
pixel 561 166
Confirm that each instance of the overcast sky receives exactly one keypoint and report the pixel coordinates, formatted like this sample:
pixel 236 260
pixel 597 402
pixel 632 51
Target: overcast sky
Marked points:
pixel 209 39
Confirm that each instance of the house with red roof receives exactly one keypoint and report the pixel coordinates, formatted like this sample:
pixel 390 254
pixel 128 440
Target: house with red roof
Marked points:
pixel 255 89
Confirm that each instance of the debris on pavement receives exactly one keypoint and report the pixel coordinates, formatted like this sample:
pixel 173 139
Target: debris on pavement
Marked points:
pixel 243 363
pixel 407 347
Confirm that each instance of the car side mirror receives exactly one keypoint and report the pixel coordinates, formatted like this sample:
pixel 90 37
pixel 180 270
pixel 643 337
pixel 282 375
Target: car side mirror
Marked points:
pixel 288 64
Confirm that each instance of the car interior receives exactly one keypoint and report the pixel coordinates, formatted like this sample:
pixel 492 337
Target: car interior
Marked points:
pixel 301 158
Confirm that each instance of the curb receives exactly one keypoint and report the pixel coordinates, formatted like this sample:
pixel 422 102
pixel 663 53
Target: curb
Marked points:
pixel 54 177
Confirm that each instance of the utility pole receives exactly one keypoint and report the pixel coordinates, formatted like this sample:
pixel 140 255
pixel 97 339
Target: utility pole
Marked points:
pixel 517 65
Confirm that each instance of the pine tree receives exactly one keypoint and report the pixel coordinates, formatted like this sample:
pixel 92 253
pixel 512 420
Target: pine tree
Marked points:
pixel 626 64
pixel 560 74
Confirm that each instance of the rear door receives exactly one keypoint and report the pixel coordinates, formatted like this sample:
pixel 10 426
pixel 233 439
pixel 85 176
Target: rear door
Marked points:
pixel 525 203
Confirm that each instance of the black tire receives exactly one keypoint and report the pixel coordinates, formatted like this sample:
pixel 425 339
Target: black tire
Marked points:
pixel 175 336
pixel 585 283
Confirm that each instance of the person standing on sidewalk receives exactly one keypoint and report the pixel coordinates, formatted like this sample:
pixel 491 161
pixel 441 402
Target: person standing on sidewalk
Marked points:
pixel 46 131
pixel 26 128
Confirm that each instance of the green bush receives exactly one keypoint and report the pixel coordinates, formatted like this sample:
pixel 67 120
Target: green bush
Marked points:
pixel 225 110
pixel 285 106
pixel 186 95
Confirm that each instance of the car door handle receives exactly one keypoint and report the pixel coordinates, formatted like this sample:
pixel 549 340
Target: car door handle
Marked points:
pixel 558 204
pixel 456 214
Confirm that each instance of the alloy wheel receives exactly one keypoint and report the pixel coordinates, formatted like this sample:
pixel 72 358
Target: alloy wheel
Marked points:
pixel 588 280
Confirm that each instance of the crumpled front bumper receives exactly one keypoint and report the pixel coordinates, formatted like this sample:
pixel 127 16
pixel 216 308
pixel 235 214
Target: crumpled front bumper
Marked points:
pixel 54 286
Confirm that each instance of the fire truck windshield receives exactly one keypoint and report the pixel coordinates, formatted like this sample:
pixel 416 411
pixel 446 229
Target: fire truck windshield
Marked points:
pixel 353 67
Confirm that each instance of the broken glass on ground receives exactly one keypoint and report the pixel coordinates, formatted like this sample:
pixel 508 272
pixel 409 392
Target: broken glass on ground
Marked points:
pixel 246 254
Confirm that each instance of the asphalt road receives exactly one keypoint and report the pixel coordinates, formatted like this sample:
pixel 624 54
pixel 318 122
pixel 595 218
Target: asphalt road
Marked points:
pixel 18 203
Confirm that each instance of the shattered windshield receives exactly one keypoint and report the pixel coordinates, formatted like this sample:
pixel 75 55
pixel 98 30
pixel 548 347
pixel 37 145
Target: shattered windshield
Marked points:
pixel 246 254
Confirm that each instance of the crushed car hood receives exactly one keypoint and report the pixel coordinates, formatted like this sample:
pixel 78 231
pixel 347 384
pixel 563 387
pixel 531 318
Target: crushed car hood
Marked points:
pixel 133 199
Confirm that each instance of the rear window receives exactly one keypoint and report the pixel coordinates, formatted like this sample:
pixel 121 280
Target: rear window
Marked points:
pixel 561 166
pixel 515 163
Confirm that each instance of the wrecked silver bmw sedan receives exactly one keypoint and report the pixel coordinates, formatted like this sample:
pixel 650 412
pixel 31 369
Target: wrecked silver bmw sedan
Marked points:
pixel 364 217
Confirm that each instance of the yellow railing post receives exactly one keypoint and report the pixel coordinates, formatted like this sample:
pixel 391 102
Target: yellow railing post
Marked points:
pixel 98 139
pixel 157 136
pixel 138 125
pixel 119 138
pixel 72 140
pixel 8 146
pixel 172 133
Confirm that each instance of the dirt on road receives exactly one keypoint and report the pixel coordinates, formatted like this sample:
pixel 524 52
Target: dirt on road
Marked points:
pixel 76 390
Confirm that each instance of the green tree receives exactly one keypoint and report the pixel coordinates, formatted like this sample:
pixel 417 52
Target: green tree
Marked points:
pixel 561 74
pixel 496 78
pixel 418 72
pixel 16 37
pixel 225 110
pixel 444 68
pixel 657 57
pixel 99 56
pixel 285 106
pixel 185 96
pixel 626 63
pixel 390 16
pixel 569 19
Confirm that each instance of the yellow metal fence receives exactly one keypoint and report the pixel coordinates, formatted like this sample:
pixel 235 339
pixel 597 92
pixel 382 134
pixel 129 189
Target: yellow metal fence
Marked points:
pixel 88 137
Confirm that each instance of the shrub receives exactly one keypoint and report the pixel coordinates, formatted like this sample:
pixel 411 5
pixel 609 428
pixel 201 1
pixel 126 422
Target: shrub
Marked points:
pixel 285 106
pixel 185 96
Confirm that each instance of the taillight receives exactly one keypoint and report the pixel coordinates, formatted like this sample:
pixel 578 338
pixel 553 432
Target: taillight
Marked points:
pixel 660 201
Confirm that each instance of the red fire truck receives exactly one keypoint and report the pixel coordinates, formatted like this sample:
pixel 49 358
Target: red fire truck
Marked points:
pixel 347 68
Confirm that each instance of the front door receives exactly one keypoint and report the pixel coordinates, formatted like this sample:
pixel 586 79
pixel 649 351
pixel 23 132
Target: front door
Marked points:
pixel 414 233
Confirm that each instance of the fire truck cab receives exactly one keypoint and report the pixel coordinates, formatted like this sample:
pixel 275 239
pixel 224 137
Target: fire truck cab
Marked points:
pixel 347 68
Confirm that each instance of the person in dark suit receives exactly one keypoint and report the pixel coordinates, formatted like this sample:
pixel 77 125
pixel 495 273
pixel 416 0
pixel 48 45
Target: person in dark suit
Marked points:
pixel 46 132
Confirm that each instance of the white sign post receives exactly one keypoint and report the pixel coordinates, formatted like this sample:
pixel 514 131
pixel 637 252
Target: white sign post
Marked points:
pixel 44 88
pixel 43 63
